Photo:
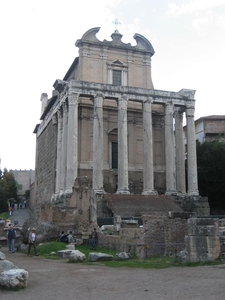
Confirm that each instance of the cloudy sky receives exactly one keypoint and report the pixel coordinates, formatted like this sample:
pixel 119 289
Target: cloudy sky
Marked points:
pixel 37 47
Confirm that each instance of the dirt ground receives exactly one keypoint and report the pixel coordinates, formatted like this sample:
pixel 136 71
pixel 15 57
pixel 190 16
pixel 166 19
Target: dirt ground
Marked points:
pixel 58 279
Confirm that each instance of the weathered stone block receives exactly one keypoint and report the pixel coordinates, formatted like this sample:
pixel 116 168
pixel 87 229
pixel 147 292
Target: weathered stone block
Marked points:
pixel 200 248
pixel 63 254
pixel 203 227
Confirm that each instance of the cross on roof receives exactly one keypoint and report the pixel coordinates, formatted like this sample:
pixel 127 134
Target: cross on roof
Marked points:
pixel 116 23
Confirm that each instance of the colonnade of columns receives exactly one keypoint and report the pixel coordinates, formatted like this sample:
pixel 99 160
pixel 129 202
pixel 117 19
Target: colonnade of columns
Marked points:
pixel 67 147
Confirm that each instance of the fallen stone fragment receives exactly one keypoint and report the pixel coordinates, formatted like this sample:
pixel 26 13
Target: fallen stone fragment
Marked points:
pixel 122 256
pixel 14 278
pixel 99 257
pixel 76 256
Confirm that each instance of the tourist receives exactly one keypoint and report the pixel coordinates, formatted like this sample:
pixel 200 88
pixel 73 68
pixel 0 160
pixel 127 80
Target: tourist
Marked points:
pixel 16 222
pixel 70 238
pixel 32 241
pixel 94 239
pixel 10 210
pixel 11 235
pixel 62 237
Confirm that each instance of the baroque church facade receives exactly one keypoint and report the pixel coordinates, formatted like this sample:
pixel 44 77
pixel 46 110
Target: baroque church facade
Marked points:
pixel 106 131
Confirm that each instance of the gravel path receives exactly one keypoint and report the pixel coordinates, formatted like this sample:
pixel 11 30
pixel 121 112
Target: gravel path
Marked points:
pixel 58 280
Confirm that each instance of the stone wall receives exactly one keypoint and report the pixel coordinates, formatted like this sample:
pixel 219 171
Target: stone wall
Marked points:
pixel 70 213
pixel 46 164
pixel 126 240
pixel 197 204
pixel 159 236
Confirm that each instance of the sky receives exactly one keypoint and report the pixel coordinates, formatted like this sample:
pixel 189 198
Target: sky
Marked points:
pixel 37 46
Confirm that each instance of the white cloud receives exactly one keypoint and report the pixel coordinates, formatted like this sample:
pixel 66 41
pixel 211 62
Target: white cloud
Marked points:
pixel 193 6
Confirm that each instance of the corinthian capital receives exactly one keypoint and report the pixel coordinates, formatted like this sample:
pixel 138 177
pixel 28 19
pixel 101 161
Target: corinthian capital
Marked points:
pixel 122 103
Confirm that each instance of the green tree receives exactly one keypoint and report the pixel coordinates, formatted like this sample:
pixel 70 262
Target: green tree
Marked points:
pixel 27 194
pixel 211 173
pixel 8 188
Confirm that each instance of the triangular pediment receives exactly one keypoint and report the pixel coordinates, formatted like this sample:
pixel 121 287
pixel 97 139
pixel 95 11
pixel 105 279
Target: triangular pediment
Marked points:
pixel 117 62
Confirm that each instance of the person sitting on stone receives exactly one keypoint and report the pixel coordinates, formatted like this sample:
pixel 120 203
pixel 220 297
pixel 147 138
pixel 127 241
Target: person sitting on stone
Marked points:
pixel 70 238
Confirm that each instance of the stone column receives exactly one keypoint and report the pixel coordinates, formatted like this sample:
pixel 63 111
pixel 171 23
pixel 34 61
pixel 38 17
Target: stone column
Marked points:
pixel 59 154
pixel 122 147
pixel 148 168
pixel 180 155
pixel 72 141
pixel 64 146
pixel 191 153
pixel 169 150
pixel 98 143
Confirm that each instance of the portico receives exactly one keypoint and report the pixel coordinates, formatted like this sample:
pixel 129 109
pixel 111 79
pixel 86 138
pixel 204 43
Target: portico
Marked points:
pixel 175 104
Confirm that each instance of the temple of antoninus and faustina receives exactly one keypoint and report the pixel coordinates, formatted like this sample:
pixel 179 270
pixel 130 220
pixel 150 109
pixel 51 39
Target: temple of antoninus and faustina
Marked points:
pixel 106 131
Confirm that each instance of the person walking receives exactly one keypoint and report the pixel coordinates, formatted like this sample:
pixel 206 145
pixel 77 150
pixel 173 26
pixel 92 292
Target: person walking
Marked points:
pixel 32 241
pixel 11 235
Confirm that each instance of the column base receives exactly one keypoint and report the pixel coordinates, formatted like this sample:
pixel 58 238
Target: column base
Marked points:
pixel 196 193
pixel 98 191
pixel 149 192
pixel 68 192
pixel 123 191
pixel 171 193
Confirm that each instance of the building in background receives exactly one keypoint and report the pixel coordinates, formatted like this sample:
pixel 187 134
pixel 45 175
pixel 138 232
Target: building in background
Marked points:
pixel 208 129
pixel 24 179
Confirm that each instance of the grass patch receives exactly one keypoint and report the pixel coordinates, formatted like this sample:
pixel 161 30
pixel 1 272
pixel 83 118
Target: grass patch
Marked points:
pixel 4 215
pixel 45 249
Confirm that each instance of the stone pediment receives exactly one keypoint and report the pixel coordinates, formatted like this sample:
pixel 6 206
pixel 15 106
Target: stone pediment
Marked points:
pixel 90 37
pixel 117 62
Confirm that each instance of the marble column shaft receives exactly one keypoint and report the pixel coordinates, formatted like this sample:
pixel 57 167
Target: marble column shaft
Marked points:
pixel 64 146
pixel 191 153
pixel 72 141
pixel 180 155
pixel 148 168
pixel 59 152
pixel 122 147
pixel 98 143
pixel 169 150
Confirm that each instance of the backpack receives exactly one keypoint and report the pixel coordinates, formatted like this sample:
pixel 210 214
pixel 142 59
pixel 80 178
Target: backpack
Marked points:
pixel 66 239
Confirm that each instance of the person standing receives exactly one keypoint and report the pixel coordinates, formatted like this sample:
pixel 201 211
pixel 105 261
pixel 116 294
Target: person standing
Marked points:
pixel 70 238
pixel 32 241
pixel 10 210
pixel 11 235
pixel 94 239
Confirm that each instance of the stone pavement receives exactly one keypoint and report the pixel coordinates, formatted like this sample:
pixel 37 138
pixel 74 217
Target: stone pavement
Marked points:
pixel 21 215
pixel 58 279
